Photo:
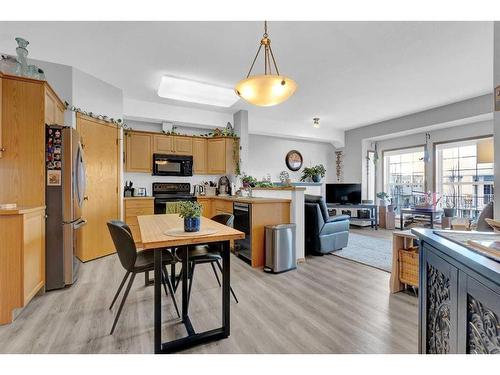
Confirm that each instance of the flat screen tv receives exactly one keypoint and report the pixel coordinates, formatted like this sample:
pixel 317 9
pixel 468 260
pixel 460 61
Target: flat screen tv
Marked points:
pixel 343 193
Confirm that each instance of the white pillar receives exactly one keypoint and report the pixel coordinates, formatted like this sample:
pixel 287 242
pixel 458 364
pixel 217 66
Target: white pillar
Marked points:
pixel 496 124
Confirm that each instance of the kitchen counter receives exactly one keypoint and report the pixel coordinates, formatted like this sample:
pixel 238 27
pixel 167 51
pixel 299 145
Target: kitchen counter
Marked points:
pixel 280 188
pixel 252 200
pixel 137 198
pixel 20 210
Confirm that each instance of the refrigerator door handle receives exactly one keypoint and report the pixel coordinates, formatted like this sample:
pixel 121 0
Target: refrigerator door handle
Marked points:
pixel 80 178
pixel 79 223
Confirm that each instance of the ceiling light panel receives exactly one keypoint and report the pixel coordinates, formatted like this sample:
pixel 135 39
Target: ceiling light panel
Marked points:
pixel 196 92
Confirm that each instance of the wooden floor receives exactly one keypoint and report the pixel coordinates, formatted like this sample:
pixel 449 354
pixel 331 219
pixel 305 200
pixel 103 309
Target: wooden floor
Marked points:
pixel 328 305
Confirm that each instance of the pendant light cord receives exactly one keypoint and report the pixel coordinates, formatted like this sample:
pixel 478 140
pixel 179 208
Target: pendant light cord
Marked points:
pixel 267 61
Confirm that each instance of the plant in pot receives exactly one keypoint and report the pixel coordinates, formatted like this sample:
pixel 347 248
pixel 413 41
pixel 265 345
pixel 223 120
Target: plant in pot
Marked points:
pixel 315 173
pixel 191 213
pixel 248 181
pixel 383 197
pixel 450 206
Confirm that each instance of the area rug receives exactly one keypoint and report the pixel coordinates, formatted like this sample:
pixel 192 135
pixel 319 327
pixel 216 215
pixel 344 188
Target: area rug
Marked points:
pixel 369 250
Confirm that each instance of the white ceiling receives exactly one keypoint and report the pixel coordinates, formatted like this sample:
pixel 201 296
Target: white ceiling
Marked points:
pixel 348 73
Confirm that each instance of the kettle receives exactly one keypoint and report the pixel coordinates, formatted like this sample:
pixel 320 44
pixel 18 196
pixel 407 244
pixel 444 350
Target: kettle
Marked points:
pixel 199 190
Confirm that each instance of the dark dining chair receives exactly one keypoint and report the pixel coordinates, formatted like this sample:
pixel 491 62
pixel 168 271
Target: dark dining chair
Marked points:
pixel 209 253
pixel 136 262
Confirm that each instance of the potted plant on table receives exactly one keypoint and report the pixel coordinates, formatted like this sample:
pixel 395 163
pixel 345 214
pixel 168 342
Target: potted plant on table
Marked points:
pixel 450 206
pixel 315 173
pixel 383 198
pixel 191 213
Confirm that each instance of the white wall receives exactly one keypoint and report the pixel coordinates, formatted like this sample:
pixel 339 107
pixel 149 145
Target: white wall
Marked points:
pixel 266 154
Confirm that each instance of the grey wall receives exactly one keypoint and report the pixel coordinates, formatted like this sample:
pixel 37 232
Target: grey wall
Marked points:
pixel 355 146
pixel 267 155
pixel 456 133
pixel 94 95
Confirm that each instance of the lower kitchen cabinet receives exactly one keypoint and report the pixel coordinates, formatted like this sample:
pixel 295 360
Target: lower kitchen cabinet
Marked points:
pixel 206 205
pixel 136 206
pixel 220 206
pixel 22 258
pixel 459 307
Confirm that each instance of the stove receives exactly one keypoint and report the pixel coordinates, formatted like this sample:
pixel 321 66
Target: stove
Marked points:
pixel 170 192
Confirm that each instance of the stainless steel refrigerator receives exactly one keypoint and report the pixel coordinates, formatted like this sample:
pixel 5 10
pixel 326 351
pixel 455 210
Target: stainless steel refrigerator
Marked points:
pixel 65 191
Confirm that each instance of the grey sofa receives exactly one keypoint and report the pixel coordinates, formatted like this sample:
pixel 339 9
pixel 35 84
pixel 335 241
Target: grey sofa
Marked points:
pixel 323 234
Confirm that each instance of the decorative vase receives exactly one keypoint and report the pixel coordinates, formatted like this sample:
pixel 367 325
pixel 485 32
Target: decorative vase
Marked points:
pixel 316 178
pixel 390 208
pixel 192 224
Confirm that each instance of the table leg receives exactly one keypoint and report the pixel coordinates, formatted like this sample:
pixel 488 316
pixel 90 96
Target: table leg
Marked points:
pixel 185 278
pixel 432 220
pixel 401 220
pixel 172 273
pixel 375 209
pixel 226 302
pixel 157 303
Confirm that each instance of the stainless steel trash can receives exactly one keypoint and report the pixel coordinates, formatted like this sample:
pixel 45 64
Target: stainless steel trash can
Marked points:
pixel 280 248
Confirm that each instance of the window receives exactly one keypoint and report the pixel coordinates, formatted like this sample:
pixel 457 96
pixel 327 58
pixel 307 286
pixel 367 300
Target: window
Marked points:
pixel 462 182
pixel 404 175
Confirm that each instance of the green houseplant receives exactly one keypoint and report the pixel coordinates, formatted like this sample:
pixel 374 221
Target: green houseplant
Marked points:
pixel 191 213
pixel 315 173
pixel 248 181
pixel 384 197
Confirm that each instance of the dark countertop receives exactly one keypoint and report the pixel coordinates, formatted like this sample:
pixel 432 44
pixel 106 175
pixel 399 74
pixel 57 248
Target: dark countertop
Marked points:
pixel 479 263
pixel 254 200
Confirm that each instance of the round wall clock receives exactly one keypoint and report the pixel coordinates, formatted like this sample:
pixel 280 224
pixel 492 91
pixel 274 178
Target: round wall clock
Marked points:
pixel 293 160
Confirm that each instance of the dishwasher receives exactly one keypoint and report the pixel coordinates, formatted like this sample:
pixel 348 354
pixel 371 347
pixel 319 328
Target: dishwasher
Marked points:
pixel 243 222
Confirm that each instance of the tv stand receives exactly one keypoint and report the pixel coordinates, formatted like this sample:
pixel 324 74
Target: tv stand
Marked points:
pixel 373 219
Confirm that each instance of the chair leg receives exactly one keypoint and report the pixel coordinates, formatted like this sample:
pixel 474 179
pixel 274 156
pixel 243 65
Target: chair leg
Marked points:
pixel 172 294
pixel 131 281
pixel 119 289
pixel 191 281
pixel 230 287
pixel 215 273
pixel 178 280
pixel 163 281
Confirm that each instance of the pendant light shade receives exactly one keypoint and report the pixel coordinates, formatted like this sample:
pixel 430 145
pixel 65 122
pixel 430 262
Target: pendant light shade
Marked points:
pixel 266 89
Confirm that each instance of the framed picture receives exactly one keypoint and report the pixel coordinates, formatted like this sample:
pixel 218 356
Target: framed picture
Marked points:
pixel 497 98
pixel 294 160
pixel 140 192
pixel 54 177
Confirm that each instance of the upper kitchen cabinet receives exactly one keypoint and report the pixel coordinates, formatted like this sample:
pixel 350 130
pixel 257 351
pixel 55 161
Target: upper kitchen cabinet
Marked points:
pixel 138 151
pixel 183 145
pixel 222 155
pixel 199 156
pixel 24 110
pixel 163 144
pixel 54 108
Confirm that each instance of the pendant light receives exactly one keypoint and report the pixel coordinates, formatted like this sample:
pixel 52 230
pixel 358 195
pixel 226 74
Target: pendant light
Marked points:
pixel 266 89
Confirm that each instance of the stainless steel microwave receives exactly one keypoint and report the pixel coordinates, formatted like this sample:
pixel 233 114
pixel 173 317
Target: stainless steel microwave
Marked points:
pixel 172 165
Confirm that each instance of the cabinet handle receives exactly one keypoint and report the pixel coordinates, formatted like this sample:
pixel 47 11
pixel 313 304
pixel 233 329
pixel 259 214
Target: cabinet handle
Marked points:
pixel 86 198
pixel 2 149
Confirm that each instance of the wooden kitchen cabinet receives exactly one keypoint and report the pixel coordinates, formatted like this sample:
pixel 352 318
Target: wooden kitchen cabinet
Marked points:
pixel 222 154
pixel 183 145
pixel 136 206
pixel 221 206
pixel 138 152
pixel 206 205
pixel 163 144
pixel 54 109
pixel 26 104
pixel 199 156
pixel 22 258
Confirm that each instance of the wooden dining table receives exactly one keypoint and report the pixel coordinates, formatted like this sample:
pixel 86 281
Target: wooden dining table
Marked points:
pixel 165 231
